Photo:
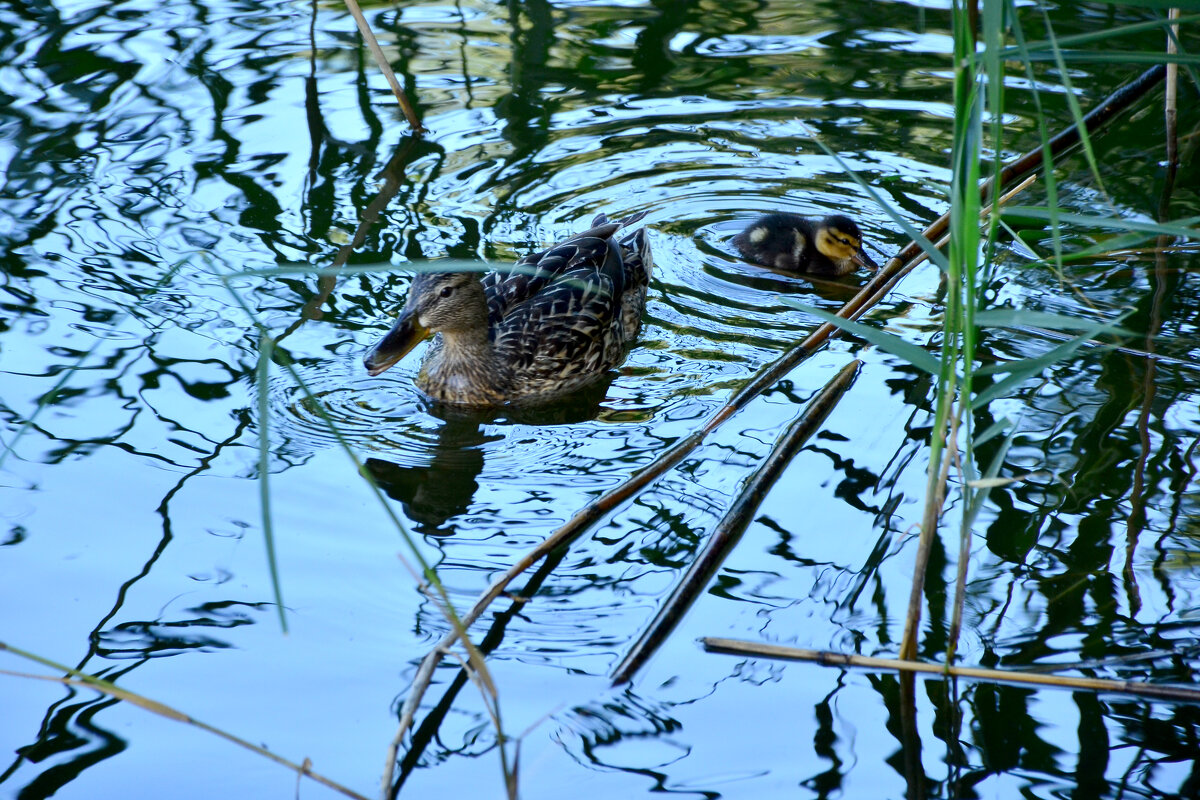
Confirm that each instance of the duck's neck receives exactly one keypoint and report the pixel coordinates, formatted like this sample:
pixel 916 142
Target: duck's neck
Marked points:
pixel 464 370
pixel 471 343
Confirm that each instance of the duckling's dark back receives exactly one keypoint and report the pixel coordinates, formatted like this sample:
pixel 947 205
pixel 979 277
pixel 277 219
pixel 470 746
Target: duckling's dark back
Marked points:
pixel 780 240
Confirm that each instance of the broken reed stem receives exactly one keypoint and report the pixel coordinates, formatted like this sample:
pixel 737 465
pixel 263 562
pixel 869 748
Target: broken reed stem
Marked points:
pixel 732 525
pixel 757 649
pixel 380 57
pixel 82 679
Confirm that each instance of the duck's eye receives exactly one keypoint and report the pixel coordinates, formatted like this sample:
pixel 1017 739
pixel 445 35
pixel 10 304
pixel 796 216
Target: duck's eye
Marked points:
pixel 446 291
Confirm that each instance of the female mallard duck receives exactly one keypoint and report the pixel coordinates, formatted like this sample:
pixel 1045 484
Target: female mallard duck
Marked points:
pixel 547 326
pixel 830 246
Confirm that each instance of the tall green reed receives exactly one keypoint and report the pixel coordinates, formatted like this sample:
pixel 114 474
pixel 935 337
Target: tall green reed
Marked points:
pixel 981 33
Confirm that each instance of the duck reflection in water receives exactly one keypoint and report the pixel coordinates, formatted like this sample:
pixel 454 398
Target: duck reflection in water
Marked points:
pixel 433 495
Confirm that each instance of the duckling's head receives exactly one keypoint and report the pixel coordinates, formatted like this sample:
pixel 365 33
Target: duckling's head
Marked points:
pixel 839 239
pixel 450 303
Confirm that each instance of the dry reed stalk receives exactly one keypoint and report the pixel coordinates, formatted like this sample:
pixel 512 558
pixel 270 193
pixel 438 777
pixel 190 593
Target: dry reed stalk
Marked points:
pixel 380 57
pixel 757 649
pixel 1136 521
pixel 84 680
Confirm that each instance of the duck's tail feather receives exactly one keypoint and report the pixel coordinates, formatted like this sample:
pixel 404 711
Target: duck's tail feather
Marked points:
pixel 602 219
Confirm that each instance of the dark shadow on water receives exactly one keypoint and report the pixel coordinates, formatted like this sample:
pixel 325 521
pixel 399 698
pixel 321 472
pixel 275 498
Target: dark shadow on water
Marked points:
pixel 434 494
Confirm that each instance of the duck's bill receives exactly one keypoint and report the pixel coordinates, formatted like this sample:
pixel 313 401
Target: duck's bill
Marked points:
pixel 863 260
pixel 406 334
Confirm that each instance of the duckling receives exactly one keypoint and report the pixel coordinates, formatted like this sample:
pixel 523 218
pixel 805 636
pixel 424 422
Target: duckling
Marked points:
pixel 549 325
pixel 830 246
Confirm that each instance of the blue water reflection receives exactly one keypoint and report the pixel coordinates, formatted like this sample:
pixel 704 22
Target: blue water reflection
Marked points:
pixel 156 158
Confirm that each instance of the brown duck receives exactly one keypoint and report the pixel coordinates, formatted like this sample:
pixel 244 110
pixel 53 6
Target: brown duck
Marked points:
pixel 544 327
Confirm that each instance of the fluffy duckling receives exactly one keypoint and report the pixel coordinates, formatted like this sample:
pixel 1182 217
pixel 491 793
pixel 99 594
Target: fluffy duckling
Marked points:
pixel 550 325
pixel 830 246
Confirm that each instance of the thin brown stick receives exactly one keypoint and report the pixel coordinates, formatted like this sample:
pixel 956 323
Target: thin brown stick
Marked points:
pixel 380 57
pixel 964 547
pixel 73 677
pixel 732 525
pixel 827 659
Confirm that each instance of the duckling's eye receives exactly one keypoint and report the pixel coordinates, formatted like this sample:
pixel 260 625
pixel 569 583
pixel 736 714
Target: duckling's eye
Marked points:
pixel 446 291
pixel 847 242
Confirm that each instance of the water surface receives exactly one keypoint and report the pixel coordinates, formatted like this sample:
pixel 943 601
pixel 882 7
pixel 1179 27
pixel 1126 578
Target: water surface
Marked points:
pixel 155 156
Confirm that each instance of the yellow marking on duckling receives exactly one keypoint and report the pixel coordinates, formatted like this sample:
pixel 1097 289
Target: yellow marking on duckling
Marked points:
pixel 837 246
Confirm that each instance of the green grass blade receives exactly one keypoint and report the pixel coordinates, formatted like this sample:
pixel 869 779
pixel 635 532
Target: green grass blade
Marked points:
pixel 1113 57
pixel 992 431
pixel 1024 318
pixel 1182 228
pixel 1020 371
pixel 1075 40
pixel 1043 132
pixel 979 496
pixel 1073 104
pixel 265 350
pixel 1108 247
pixel 889 342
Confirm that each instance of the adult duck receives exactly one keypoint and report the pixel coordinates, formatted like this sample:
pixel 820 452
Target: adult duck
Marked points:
pixel 544 327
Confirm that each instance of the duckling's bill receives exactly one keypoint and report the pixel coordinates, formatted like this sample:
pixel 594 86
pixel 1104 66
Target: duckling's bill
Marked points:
pixel 861 258
pixel 406 334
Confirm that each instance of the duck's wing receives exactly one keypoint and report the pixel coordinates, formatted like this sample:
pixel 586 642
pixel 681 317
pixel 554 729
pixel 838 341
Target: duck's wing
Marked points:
pixel 509 287
pixel 638 262
pixel 567 332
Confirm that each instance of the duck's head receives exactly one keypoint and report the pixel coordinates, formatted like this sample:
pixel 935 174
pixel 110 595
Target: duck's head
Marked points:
pixel 839 239
pixel 451 303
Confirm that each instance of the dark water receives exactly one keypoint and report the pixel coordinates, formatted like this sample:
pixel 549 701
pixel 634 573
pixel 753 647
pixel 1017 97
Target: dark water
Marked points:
pixel 153 152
